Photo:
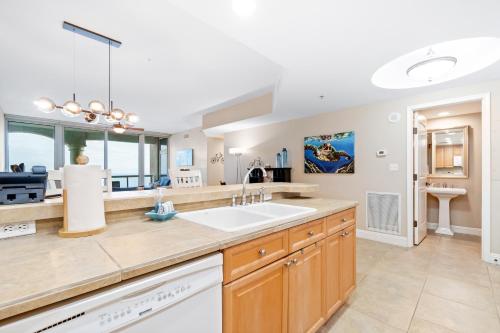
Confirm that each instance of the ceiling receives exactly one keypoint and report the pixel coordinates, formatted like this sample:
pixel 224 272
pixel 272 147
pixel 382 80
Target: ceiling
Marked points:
pixel 201 54
pixel 452 110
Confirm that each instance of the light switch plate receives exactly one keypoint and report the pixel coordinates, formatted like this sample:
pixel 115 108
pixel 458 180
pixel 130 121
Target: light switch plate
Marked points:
pixel 17 229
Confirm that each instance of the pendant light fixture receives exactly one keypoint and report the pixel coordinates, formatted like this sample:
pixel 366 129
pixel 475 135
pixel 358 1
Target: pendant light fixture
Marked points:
pixel 120 120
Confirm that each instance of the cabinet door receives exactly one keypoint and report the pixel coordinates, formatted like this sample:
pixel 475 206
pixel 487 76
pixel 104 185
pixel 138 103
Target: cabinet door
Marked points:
pixel 333 296
pixel 306 289
pixel 348 261
pixel 257 302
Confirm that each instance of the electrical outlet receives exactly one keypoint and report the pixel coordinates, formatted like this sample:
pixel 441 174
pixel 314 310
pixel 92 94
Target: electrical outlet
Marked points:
pixel 17 229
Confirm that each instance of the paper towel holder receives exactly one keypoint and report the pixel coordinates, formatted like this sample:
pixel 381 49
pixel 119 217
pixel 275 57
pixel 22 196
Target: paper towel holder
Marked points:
pixel 63 232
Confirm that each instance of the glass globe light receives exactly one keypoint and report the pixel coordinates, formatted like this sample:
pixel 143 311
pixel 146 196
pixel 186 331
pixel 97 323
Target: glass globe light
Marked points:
pixel 71 109
pixel 110 119
pixel 92 118
pixel 44 104
pixel 96 107
pixel 118 114
pixel 132 118
pixel 118 129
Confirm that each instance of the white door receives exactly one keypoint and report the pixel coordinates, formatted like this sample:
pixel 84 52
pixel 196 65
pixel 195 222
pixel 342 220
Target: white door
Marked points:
pixel 420 171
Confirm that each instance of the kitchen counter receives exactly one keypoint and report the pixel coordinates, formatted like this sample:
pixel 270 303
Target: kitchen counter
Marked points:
pixel 118 201
pixel 42 269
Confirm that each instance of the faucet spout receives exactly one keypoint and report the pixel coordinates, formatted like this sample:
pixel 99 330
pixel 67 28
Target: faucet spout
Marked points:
pixel 245 181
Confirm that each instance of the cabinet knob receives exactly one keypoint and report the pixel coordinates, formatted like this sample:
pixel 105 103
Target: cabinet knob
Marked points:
pixel 344 219
pixel 346 233
pixel 294 261
pixel 310 233
pixel 288 263
pixel 262 252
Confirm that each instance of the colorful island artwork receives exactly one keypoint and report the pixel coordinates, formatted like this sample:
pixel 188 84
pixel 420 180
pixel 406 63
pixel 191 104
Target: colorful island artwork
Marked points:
pixel 329 153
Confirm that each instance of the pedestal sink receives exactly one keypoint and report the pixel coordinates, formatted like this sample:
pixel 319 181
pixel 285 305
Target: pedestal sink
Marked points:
pixel 444 195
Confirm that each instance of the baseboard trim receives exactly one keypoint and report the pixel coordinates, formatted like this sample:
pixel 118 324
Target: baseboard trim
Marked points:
pixel 493 258
pixel 383 238
pixel 458 229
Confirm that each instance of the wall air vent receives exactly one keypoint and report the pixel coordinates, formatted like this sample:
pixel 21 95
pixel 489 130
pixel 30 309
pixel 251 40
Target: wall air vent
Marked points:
pixel 383 212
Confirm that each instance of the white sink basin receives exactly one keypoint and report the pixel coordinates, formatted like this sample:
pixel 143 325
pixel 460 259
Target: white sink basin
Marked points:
pixel 242 217
pixel 444 195
pixel 454 191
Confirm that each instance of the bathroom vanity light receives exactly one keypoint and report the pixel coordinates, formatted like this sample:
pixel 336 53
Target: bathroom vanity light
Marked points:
pixel 438 63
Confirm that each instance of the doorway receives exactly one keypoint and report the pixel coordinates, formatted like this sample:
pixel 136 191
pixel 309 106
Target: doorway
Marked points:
pixel 430 169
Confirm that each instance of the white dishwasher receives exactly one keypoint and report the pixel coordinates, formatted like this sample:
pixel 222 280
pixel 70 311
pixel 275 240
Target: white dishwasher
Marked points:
pixel 184 299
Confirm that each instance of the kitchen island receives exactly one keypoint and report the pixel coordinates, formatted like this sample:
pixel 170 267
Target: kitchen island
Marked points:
pixel 50 269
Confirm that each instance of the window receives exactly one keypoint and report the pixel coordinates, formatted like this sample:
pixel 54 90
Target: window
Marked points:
pixel 55 144
pixel 83 142
pixel 163 157
pixel 123 160
pixel 30 144
pixel 151 159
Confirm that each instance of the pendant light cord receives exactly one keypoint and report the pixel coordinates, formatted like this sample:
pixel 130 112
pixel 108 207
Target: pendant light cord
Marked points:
pixel 109 76
pixel 74 65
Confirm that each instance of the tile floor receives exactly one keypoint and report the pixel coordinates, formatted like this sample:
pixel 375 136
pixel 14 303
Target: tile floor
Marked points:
pixel 439 286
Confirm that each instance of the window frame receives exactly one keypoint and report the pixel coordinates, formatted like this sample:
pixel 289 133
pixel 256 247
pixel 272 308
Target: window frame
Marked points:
pixel 59 152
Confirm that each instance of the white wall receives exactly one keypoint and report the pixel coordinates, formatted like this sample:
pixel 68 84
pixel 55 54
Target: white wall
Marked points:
pixel 373 131
pixel 195 139
pixel 2 140
pixel 215 169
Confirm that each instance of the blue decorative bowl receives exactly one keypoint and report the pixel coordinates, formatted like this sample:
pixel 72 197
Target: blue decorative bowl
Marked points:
pixel 160 217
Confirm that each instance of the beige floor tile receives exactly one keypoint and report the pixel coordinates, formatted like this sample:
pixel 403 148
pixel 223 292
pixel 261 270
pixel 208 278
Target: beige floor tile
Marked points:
pixel 466 293
pixel 393 310
pixel 462 272
pixel 496 292
pixel 494 271
pixel 394 284
pixel 456 316
pixel 423 326
pixel 352 321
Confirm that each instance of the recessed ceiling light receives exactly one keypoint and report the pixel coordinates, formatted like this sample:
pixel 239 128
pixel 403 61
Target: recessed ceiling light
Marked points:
pixel 438 63
pixel 244 8
pixel 444 114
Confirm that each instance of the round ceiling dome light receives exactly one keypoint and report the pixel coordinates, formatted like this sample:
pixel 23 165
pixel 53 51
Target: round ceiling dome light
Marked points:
pixel 244 8
pixel 438 63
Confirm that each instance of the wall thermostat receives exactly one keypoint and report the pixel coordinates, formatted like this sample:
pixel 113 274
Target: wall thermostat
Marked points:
pixel 394 117
pixel 381 153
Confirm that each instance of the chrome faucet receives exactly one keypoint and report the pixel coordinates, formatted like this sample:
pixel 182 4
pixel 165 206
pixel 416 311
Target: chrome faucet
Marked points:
pixel 245 180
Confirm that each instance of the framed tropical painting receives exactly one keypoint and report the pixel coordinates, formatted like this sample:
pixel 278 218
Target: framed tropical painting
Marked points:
pixel 329 153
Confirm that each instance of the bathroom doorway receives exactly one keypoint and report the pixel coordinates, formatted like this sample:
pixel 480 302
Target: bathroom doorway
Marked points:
pixel 448 174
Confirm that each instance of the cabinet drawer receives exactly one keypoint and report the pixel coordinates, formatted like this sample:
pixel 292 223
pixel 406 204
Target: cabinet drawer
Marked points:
pixel 306 234
pixel 242 259
pixel 339 221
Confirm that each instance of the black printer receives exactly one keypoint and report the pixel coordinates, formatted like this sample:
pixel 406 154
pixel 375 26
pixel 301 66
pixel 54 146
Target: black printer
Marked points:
pixel 23 187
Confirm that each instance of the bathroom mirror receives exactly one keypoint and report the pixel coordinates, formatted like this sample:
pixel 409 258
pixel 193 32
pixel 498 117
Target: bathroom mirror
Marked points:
pixel 449 152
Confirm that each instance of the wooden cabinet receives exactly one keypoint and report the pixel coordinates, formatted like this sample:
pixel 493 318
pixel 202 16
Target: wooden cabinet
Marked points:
pixel 306 284
pixel 306 234
pixel 333 295
pixel 268 290
pixel 257 302
pixel 245 258
pixel 347 261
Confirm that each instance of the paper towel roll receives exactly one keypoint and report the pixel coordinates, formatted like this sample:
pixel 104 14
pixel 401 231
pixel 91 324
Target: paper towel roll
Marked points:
pixel 84 202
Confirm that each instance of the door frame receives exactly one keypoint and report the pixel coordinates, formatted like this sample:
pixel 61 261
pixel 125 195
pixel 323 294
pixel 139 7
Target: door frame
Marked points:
pixel 484 98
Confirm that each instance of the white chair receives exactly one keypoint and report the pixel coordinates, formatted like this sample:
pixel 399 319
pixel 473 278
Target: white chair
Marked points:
pixel 186 178
pixel 55 182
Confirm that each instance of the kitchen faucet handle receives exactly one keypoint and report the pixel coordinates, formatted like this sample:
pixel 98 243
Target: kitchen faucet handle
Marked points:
pixel 233 203
pixel 261 195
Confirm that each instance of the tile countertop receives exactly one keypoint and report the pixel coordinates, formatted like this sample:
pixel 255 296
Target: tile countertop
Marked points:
pixel 42 269
pixel 118 201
